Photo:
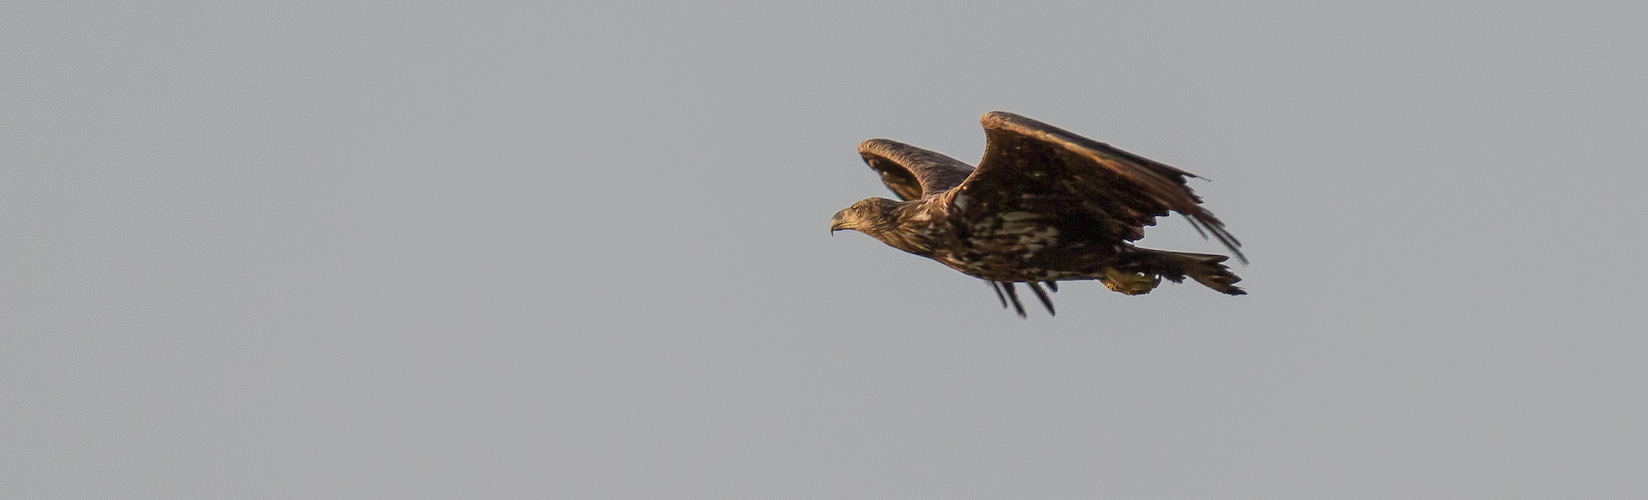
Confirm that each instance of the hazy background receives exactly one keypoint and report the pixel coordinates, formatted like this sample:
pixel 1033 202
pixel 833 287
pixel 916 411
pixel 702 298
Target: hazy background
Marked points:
pixel 581 251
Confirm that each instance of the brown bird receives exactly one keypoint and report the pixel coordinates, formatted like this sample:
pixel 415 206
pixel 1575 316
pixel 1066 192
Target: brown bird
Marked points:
pixel 1044 205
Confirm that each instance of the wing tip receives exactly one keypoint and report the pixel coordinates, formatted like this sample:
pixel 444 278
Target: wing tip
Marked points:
pixel 1205 223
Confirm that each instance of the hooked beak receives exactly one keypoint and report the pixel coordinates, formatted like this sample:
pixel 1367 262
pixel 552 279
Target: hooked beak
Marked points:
pixel 838 222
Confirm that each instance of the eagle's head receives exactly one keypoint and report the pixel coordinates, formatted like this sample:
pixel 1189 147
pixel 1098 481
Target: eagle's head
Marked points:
pixel 870 216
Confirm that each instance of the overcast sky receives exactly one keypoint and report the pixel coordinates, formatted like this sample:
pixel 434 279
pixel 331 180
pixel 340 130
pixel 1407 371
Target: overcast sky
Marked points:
pixel 557 250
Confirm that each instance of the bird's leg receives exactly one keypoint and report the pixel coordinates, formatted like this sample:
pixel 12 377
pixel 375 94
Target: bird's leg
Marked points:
pixel 1130 282
pixel 1052 286
pixel 1045 302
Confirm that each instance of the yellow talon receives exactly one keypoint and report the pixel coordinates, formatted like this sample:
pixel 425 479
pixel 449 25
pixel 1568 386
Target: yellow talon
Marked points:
pixel 1129 283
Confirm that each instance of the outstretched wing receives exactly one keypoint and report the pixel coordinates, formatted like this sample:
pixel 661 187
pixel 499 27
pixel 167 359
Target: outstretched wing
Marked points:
pixel 1034 167
pixel 911 172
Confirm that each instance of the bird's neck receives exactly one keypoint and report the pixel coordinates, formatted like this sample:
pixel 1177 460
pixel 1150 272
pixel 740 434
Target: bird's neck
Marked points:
pixel 911 228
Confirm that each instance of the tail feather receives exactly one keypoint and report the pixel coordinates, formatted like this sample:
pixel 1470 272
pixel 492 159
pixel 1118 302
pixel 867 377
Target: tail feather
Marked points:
pixel 1207 269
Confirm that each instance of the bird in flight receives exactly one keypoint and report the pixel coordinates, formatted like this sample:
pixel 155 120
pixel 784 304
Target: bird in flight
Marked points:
pixel 1044 205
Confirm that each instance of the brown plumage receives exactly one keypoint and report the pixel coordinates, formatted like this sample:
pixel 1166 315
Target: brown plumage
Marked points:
pixel 1044 205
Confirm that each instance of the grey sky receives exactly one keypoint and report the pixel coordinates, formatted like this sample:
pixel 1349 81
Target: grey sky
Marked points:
pixel 580 251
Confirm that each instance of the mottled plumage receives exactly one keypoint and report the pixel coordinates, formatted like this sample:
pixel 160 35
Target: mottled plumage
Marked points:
pixel 1044 205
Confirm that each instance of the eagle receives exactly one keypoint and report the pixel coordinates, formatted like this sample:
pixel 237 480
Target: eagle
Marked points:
pixel 1044 205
